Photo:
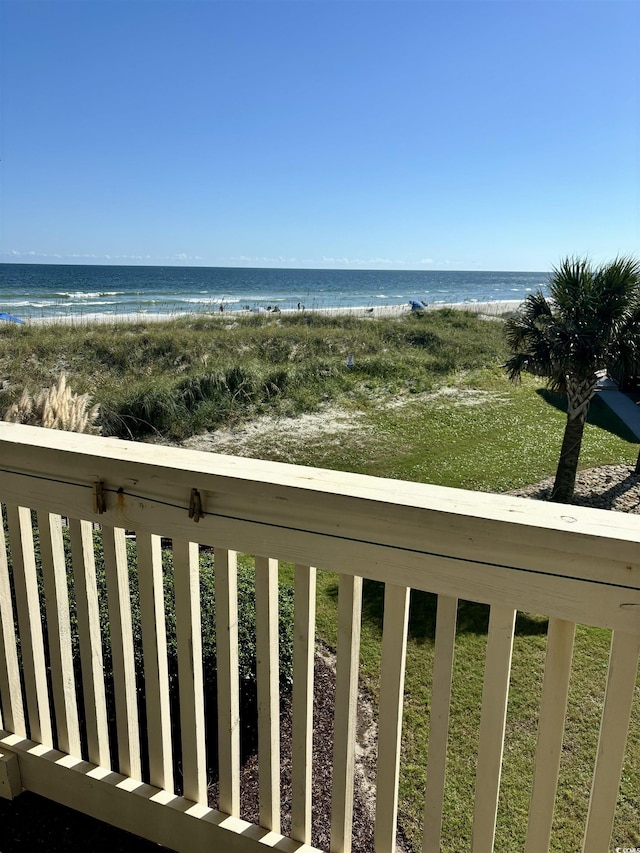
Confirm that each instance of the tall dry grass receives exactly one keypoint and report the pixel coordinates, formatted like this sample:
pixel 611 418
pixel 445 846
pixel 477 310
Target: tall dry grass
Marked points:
pixel 57 407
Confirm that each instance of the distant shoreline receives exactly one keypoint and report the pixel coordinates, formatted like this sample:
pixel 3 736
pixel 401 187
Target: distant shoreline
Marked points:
pixel 494 309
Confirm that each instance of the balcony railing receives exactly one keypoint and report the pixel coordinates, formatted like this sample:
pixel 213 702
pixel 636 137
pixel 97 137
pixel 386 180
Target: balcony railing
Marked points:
pixel 571 564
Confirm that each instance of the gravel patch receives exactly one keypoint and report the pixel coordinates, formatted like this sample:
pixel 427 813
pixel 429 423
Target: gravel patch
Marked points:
pixel 366 755
pixel 615 487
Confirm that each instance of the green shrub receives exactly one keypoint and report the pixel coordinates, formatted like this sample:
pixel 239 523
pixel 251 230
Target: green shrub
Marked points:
pixel 151 410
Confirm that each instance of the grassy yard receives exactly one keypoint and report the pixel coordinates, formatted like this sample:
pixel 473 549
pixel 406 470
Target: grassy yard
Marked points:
pixel 429 403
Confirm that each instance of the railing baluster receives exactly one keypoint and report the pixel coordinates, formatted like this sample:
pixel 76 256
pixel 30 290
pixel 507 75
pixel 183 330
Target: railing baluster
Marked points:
pixel 392 667
pixel 348 654
pixel 54 574
pixel 29 623
pixel 186 567
pixel 90 641
pixel 495 694
pixel 439 721
pixel 12 717
pixel 124 668
pixel 621 683
pixel 154 651
pixel 553 709
pixel 226 589
pixel 304 621
pixel 268 685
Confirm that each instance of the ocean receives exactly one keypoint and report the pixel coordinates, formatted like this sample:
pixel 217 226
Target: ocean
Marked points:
pixel 47 290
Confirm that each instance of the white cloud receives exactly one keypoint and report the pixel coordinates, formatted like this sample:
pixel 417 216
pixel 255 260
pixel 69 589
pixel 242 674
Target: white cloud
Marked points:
pixel 31 254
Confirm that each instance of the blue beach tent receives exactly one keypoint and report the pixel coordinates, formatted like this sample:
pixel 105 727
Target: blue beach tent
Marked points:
pixel 10 318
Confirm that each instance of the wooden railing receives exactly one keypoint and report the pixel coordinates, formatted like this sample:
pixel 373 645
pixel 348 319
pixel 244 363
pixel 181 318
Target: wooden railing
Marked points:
pixel 570 564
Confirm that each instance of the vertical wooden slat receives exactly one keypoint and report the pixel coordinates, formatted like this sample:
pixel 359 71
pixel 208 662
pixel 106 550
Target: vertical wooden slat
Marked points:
pixel 495 694
pixel 621 682
pixel 439 721
pixel 124 668
pixel 95 705
pixel 10 691
pixel 154 651
pixel 25 583
pixel 268 678
pixel 348 654
pixel 392 667
pixel 553 709
pixel 226 588
pixel 54 574
pixel 186 569
pixel 302 735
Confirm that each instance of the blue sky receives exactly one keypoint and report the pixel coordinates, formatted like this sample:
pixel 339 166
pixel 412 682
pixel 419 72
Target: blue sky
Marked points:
pixel 320 133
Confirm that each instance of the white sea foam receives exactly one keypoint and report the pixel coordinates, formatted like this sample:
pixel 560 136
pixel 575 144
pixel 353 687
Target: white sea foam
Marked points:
pixel 91 294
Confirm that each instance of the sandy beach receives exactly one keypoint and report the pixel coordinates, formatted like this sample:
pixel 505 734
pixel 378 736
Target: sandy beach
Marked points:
pixel 490 309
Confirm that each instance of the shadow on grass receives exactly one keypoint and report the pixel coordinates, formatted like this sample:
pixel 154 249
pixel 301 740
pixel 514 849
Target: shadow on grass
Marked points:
pixel 600 415
pixel 473 618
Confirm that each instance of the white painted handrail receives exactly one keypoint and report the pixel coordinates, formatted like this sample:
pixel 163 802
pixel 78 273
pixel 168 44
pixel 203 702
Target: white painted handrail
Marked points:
pixel 572 564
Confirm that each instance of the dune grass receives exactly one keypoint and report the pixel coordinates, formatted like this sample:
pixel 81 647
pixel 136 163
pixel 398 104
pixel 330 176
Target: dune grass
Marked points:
pixel 461 423
pixel 188 375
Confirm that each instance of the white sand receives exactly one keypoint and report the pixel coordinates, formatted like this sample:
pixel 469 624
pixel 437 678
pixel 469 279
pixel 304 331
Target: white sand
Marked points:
pixel 491 309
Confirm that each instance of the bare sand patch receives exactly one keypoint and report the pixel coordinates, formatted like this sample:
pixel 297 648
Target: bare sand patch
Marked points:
pixel 327 424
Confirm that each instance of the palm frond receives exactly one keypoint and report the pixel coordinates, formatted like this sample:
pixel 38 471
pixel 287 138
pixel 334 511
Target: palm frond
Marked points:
pixel 528 337
pixel 570 282
pixel 590 322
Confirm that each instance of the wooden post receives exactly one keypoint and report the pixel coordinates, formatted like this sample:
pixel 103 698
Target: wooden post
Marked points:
pixel 10 783
pixel 618 701
pixel 226 568
pixel 154 651
pixel 95 705
pixel 30 624
pixel 124 671
pixel 495 694
pixel 553 709
pixel 348 657
pixel 439 721
pixel 392 666
pixel 186 570
pixel 11 708
pixel 63 686
pixel 268 685
pixel 302 736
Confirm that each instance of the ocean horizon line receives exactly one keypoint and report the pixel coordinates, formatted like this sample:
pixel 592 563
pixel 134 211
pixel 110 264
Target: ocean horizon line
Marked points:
pixel 345 269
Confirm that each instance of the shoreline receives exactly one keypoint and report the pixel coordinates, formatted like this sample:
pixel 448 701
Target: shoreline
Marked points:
pixel 490 309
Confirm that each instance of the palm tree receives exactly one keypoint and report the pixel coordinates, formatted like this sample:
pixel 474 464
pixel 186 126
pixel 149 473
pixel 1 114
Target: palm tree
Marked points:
pixel 589 323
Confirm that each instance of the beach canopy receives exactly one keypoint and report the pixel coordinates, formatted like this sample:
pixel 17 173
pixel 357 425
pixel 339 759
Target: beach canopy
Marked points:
pixel 10 317
pixel 417 306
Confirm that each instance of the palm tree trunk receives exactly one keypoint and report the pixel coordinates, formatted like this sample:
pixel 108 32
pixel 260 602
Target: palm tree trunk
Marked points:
pixel 568 463
pixel 579 396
